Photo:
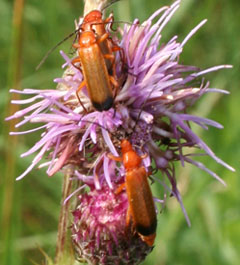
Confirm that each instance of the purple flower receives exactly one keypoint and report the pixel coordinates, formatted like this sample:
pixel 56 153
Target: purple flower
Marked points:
pixel 150 108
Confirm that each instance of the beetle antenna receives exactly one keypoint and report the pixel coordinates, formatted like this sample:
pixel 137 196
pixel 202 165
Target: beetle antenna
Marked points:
pixel 109 4
pixel 54 48
pixel 96 123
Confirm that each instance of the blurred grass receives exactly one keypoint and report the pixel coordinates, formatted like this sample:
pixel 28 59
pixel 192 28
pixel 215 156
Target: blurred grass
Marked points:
pixel 214 210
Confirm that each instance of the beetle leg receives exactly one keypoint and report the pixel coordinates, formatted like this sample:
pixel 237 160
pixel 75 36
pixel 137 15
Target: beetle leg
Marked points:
pixel 110 57
pixel 120 188
pixel 113 81
pixel 115 48
pixel 103 37
pixel 109 20
pixel 76 60
pixel 128 217
pixel 115 158
pixel 76 45
pixel 144 156
pixel 79 88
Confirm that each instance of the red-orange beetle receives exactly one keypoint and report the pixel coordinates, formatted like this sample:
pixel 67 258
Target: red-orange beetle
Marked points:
pixel 141 206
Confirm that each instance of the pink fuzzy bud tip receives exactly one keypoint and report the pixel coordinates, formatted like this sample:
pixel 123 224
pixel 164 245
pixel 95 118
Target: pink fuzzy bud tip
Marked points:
pixel 99 230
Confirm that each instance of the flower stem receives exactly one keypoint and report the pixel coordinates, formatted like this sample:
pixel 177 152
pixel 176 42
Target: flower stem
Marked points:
pixel 63 224
pixel 95 4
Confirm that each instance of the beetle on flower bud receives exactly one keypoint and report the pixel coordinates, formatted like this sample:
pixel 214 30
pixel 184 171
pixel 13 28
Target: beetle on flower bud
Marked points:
pixel 141 208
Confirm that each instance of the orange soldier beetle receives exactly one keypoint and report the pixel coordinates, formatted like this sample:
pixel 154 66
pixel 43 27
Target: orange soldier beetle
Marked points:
pixel 141 206
pixel 95 50
pixel 96 58
pixel 95 73
pixel 93 21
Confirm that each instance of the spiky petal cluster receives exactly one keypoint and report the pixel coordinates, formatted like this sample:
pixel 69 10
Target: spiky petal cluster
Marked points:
pixel 151 108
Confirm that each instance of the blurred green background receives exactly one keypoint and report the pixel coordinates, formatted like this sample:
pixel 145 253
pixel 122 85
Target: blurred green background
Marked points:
pixel 30 208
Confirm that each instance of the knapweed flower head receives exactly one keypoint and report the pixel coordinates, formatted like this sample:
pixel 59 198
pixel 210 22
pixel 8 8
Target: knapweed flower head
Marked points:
pixel 99 230
pixel 150 109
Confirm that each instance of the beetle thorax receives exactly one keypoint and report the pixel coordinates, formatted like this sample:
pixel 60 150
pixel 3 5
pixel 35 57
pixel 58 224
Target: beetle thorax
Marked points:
pixel 93 16
pixel 87 38
pixel 131 160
